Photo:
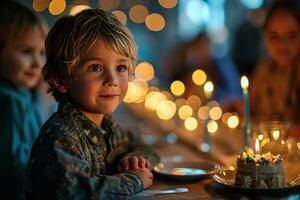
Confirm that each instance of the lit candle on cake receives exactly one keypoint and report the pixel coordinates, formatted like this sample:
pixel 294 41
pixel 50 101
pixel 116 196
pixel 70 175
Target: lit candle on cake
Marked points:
pixel 245 85
pixel 257 151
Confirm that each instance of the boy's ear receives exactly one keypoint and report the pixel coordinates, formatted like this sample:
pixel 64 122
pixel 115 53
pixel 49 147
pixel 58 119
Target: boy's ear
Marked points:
pixel 62 89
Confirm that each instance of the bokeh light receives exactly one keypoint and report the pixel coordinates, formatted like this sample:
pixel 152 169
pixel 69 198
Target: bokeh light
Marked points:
pixel 212 103
pixel 57 7
pixel 204 147
pixel 120 15
pixel 136 91
pixel 199 77
pixel 131 94
pixel 167 3
pixel 40 5
pixel 142 89
pixel 77 9
pixel 253 4
pixel 233 121
pixel 185 112
pixel 197 11
pixel 177 88
pixel 145 71
pixel 109 4
pixel 152 100
pixel 203 112
pixel 180 102
pixel 212 126
pixel 138 13
pixel 215 113
pixel 190 124
pixel 166 109
pixel 194 101
pixel 155 22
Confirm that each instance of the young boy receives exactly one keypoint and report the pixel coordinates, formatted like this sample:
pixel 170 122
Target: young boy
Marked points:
pixel 80 152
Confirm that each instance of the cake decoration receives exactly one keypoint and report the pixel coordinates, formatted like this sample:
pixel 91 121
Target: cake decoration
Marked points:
pixel 256 170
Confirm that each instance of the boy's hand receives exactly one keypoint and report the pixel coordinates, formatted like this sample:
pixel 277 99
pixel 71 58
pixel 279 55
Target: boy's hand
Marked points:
pixel 144 174
pixel 133 162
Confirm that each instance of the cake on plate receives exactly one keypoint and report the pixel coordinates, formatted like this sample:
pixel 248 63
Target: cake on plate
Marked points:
pixel 262 171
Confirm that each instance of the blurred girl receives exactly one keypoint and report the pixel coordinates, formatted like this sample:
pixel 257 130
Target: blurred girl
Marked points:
pixel 22 112
pixel 275 92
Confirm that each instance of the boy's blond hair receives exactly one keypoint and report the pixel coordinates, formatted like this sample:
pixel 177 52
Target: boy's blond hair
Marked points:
pixel 73 35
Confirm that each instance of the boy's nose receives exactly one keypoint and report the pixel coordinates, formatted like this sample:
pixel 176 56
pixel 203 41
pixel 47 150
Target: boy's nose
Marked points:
pixel 283 41
pixel 110 80
pixel 109 83
pixel 38 61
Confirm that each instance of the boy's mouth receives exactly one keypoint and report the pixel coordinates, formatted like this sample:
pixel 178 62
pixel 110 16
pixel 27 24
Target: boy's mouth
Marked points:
pixel 283 52
pixel 109 96
pixel 31 74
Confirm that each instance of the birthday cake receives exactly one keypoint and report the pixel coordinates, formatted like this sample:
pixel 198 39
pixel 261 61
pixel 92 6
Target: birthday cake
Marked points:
pixel 259 170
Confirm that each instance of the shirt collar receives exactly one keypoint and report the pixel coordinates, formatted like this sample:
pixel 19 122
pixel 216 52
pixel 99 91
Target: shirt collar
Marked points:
pixel 91 130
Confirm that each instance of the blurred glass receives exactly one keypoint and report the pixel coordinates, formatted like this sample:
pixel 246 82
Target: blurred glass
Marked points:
pixel 272 136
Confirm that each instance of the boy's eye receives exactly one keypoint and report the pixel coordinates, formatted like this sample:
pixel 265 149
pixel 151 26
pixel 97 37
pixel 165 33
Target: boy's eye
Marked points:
pixel 272 36
pixel 26 51
pixel 95 68
pixel 43 53
pixel 122 68
pixel 292 35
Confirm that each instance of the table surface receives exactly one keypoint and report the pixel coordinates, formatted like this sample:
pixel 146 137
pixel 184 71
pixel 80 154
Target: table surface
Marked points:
pixel 226 144
pixel 207 188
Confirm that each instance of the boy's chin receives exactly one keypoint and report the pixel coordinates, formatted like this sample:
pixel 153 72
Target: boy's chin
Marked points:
pixel 29 85
pixel 107 111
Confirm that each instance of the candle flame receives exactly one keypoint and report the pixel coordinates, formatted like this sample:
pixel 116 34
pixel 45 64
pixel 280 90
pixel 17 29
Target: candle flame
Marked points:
pixel 257 146
pixel 208 88
pixel 244 82
pixel 276 134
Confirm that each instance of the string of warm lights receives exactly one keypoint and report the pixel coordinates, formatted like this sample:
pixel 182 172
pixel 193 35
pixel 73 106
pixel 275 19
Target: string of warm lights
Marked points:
pixel 138 13
pixel 166 104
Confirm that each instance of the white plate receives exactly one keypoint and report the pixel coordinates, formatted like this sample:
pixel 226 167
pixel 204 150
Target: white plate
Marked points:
pixel 186 170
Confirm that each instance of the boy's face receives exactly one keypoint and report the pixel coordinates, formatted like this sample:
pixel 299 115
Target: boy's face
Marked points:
pixel 21 60
pixel 283 38
pixel 100 82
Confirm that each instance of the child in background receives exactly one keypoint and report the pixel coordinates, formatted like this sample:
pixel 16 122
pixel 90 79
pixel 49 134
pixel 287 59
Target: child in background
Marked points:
pixel 275 88
pixel 22 108
pixel 81 153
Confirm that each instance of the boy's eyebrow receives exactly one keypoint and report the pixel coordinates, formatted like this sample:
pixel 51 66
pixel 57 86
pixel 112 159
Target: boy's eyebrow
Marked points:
pixel 22 45
pixel 274 32
pixel 101 59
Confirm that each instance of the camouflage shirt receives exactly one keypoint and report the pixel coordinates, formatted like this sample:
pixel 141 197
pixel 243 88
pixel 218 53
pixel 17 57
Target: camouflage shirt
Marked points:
pixel 73 158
